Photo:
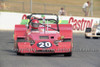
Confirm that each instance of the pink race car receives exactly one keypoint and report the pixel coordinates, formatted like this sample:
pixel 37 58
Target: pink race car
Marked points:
pixel 50 38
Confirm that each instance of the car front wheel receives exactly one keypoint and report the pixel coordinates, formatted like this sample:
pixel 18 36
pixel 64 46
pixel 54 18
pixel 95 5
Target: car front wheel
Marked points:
pixel 69 54
pixel 20 54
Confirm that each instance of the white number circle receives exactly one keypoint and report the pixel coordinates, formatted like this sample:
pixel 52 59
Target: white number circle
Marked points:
pixel 44 44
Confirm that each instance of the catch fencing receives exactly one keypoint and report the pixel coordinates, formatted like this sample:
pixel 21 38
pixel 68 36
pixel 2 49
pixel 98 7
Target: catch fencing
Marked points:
pixel 27 7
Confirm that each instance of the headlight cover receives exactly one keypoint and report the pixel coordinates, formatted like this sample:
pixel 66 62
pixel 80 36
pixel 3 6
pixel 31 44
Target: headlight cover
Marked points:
pixel 57 41
pixel 32 42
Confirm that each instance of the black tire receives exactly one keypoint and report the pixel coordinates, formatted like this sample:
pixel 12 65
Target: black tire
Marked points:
pixel 88 30
pixel 20 54
pixel 95 37
pixel 69 54
pixel 87 37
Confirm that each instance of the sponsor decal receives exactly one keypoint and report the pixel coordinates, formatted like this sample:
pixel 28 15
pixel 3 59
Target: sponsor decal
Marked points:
pixel 80 24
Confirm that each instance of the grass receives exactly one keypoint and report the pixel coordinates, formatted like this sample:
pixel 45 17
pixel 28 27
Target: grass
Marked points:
pixel 72 7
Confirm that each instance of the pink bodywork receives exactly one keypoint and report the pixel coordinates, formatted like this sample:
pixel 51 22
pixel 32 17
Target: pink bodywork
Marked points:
pixel 21 31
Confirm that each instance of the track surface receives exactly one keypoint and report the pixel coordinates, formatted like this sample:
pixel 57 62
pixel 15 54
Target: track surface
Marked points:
pixel 8 57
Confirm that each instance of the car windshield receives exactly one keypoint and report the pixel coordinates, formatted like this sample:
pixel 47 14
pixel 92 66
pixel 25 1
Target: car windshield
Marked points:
pixel 50 19
pixel 46 19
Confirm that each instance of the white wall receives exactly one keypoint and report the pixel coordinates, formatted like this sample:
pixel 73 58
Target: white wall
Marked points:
pixel 79 24
pixel 9 19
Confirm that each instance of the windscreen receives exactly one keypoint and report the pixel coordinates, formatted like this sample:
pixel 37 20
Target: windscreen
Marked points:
pixel 47 21
pixel 50 19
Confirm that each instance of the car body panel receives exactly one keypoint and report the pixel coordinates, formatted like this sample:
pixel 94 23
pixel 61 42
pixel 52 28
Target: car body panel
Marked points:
pixel 95 31
pixel 45 40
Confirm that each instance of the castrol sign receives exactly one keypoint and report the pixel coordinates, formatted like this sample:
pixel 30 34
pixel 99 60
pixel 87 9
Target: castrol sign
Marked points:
pixel 80 24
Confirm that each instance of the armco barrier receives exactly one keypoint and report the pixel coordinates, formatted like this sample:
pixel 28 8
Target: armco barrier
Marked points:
pixel 79 24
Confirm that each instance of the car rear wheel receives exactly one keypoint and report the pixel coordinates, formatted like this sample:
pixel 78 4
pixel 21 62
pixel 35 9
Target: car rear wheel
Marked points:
pixel 95 37
pixel 69 54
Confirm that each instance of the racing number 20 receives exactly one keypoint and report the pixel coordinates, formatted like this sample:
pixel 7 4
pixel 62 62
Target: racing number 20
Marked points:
pixel 44 44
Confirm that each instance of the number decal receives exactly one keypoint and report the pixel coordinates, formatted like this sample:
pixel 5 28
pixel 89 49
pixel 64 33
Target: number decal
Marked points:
pixel 41 44
pixel 47 44
pixel 44 44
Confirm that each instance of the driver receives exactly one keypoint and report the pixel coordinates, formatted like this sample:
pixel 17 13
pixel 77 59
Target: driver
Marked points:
pixel 34 25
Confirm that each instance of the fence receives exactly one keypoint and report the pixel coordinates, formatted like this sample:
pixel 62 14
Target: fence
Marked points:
pixel 71 10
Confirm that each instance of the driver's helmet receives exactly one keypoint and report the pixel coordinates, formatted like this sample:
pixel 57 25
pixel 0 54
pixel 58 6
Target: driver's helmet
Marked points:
pixel 35 24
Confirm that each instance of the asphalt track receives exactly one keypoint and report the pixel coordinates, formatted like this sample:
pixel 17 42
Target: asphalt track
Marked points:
pixel 86 53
